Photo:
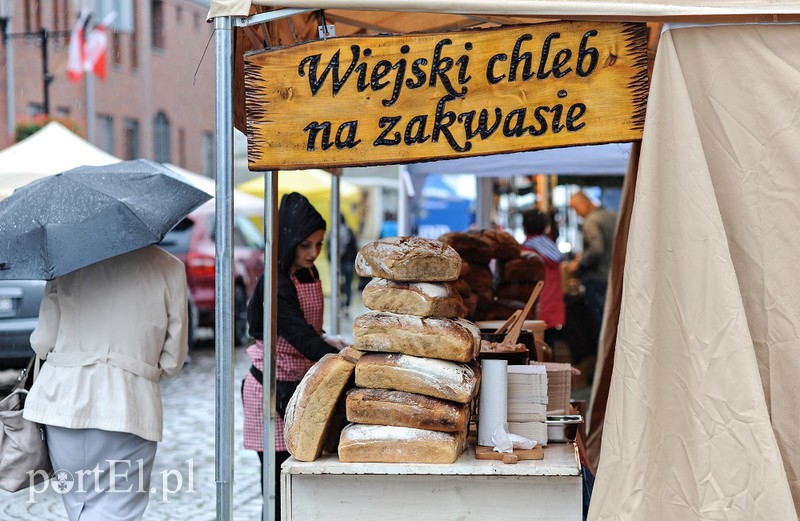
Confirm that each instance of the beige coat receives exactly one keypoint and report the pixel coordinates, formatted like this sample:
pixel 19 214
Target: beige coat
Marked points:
pixel 109 332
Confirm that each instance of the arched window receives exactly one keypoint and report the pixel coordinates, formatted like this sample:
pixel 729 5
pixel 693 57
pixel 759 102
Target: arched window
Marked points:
pixel 163 153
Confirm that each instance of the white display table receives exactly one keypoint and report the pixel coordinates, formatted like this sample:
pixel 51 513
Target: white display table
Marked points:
pixel 469 489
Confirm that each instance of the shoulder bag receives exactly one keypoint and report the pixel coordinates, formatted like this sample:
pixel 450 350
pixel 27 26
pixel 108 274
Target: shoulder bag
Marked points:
pixel 24 460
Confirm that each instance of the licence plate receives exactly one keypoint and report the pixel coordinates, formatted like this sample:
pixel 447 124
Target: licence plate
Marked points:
pixel 6 305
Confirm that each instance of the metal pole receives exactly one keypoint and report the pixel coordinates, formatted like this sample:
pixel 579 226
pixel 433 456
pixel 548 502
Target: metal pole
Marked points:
pixel 335 246
pixel 10 101
pixel 46 78
pixel 223 341
pixel 270 337
pixel 90 119
pixel 485 202
pixel 403 221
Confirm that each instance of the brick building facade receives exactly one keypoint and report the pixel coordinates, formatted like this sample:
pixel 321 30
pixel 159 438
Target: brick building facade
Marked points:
pixel 157 101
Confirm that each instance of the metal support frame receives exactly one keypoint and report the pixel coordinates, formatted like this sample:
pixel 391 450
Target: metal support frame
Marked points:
pixel 224 340
pixel 335 247
pixel 223 285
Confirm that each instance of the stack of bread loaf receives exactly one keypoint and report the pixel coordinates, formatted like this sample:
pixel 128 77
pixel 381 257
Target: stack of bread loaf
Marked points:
pixel 416 378
pixel 516 280
pixel 474 283
pixel 494 295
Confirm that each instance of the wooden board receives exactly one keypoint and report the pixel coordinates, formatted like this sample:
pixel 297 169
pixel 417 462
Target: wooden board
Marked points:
pixel 359 101
pixel 483 452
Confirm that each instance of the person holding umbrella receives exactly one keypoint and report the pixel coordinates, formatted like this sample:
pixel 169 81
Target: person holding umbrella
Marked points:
pixel 301 341
pixel 112 323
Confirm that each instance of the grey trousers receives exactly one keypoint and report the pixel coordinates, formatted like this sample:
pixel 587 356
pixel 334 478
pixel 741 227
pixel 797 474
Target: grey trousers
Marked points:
pixel 101 475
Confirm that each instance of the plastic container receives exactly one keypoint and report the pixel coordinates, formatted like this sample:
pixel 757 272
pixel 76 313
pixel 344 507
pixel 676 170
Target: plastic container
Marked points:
pixel 561 429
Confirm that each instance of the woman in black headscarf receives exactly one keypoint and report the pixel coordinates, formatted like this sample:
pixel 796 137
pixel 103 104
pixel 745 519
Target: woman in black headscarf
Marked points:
pixel 300 342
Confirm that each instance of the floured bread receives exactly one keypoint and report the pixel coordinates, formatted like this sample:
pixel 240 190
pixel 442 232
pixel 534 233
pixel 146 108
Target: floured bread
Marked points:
pixel 312 406
pixel 352 353
pixel 438 378
pixel 444 338
pixel 402 409
pixel 408 259
pixel 389 444
pixel 423 299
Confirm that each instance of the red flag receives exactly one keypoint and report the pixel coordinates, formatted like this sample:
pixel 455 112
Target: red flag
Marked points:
pixel 96 46
pixel 75 60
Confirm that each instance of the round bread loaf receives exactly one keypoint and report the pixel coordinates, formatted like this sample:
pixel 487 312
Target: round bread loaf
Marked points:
pixel 423 299
pixel 408 259
pixel 528 268
pixel 443 338
pixel 389 444
pixel 479 278
pixel 402 409
pixel 311 410
pixel 503 244
pixel 471 247
pixel 428 376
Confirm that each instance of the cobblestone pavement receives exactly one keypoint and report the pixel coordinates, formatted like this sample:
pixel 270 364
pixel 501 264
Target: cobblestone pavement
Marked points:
pixel 186 452
pixel 184 461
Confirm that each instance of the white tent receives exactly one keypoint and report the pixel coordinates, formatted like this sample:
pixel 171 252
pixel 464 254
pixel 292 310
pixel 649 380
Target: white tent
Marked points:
pixel 51 150
pixel 244 203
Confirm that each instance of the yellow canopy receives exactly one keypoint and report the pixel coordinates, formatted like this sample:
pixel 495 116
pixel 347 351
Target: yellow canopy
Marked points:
pixel 315 184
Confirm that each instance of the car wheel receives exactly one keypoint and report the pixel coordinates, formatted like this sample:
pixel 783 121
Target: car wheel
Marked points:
pixel 192 326
pixel 240 334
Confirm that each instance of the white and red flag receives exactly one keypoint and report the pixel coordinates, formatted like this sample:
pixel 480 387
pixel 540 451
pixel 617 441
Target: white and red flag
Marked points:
pixel 96 46
pixel 76 59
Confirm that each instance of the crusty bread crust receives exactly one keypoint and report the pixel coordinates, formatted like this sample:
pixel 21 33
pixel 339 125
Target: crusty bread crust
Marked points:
pixel 389 444
pixel 311 409
pixel 427 376
pixel 442 338
pixel 402 409
pixel 422 299
pixel 408 259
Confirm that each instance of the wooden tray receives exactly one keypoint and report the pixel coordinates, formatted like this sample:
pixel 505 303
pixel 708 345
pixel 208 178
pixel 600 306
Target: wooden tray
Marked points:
pixel 484 452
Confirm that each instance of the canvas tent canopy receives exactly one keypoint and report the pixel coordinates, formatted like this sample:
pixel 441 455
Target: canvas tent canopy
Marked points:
pixel 701 421
pixel 51 150
pixel 610 159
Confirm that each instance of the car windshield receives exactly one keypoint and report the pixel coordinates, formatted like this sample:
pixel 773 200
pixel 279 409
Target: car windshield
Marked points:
pixel 177 239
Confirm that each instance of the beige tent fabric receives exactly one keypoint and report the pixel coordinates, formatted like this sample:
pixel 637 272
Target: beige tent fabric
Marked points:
pixel 604 365
pixel 708 341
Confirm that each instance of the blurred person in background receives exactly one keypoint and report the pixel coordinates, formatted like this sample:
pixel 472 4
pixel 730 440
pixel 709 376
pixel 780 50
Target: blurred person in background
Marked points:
pixel 348 249
pixel 593 263
pixel 536 225
pixel 300 339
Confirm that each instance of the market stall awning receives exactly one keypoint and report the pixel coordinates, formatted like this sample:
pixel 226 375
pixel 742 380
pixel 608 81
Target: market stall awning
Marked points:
pixel 606 160
pixel 739 10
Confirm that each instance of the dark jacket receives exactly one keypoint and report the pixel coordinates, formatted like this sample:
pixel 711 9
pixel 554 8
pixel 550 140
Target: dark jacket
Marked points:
pixel 297 219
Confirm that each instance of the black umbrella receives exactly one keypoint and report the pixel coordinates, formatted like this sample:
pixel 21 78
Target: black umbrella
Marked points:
pixel 64 222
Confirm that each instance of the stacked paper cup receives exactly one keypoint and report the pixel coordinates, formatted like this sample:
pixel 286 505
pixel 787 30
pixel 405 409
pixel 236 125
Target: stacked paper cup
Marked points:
pixel 416 378
pixel 527 402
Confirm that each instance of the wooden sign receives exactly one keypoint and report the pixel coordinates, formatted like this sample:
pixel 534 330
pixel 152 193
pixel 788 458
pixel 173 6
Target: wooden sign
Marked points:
pixel 398 99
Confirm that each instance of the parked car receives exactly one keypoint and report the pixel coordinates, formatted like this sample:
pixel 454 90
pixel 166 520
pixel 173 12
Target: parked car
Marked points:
pixel 19 314
pixel 192 241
